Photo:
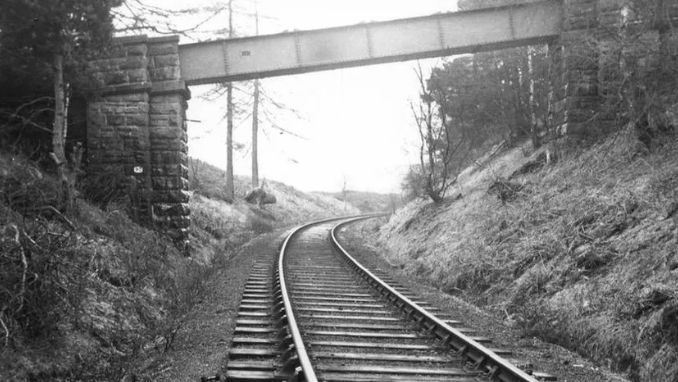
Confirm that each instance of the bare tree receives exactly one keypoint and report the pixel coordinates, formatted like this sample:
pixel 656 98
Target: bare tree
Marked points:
pixel 230 192
pixel 439 142
pixel 255 113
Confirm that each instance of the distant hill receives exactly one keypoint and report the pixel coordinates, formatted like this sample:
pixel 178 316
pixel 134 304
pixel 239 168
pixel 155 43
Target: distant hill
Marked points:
pixel 367 201
pixel 235 221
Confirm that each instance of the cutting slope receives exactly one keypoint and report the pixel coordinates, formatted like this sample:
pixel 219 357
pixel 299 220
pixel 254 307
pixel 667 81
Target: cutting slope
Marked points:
pixel 581 253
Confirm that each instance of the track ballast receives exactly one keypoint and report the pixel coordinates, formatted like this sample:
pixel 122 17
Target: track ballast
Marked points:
pixel 314 314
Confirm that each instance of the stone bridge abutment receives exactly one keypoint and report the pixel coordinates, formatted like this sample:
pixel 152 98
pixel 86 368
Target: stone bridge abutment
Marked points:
pixel 136 130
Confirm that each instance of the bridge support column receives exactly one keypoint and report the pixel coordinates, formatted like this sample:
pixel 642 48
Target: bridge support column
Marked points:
pixel 136 135
pixel 602 48
pixel 575 98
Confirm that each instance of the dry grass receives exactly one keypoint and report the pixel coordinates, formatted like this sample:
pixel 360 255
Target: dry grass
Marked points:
pixel 84 296
pixel 584 255
pixel 229 223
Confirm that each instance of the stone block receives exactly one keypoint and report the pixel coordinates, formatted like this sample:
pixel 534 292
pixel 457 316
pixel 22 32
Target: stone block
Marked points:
pixel 129 98
pixel 167 170
pixel 115 77
pixel 95 119
pixel 158 120
pixel 112 145
pixel 174 97
pixel 165 133
pixel 173 89
pixel 173 120
pixel 157 49
pixel 166 60
pixel 111 158
pixel 135 108
pixel 136 50
pixel 167 73
pixel 115 119
pixel 174 196
pixel 141 152
pixel 137 120
pixel 165 108
pixel 169 183
pixel 168 157
pixel 107 64
pixel 126 88
pixel 166 144
pixel 137 75
pixel 134 62
pixel 137 146
pixel 171 209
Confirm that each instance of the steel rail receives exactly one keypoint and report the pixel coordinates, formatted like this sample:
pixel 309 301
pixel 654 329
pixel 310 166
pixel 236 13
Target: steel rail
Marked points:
pixel 499 368
pixel 302 354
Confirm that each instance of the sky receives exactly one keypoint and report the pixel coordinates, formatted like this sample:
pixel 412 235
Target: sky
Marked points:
pixel 356 124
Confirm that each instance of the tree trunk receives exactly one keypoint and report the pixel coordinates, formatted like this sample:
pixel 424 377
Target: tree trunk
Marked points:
pixel 59 133
pixel 230 191
pixel 255 136
pixel 534 128
pixel 255 114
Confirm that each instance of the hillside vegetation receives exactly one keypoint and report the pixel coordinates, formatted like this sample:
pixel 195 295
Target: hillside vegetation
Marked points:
pixel 93 296
pixel 576 246
pixel 366 201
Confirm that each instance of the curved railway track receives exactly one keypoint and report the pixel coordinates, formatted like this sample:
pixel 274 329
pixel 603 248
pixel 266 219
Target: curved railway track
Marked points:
pixel 315 314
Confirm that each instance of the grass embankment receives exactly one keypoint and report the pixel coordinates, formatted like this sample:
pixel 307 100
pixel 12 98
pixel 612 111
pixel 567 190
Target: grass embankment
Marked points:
pixel 582 253
pixel 236 221
pixel 94 296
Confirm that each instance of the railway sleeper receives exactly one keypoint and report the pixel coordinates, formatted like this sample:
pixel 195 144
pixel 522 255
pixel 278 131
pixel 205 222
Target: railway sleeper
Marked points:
pixel 347 377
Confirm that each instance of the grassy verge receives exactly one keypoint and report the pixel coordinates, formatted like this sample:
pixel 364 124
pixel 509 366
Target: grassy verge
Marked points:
pixel 581 253
pixel 85 296
pixel 94 296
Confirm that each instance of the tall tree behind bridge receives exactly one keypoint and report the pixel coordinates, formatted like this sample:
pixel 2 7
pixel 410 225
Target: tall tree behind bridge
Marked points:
pixel 255 112
pixel 265 108
pixel 61 35
pixel 230 185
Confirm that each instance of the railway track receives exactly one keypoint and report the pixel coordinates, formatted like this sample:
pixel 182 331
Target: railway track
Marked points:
pixel 316 314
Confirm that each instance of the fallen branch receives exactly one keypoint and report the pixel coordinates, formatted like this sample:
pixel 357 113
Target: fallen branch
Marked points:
pixel 59 214
pixel 4 327
pixel 24 262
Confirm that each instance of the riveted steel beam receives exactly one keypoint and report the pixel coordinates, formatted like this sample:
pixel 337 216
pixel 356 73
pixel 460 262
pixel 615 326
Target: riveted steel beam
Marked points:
pixel 437 35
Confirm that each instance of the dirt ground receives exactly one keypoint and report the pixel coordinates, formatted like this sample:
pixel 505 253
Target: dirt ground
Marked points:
pixel 202 346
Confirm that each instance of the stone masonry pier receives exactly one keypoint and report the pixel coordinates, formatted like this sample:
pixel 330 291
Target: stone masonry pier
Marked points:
pixel 136 131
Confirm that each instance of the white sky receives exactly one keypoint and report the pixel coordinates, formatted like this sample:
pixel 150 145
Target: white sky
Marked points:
pixel 357 122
